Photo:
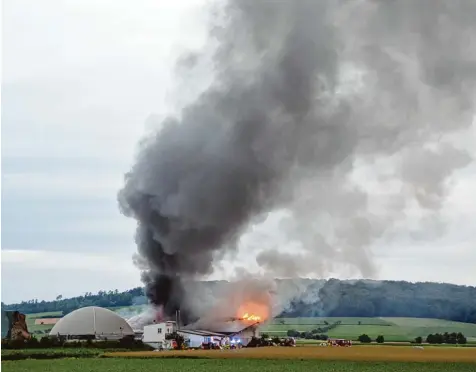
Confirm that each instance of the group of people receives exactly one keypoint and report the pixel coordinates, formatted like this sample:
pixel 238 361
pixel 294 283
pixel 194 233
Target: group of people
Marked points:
pixel 224 344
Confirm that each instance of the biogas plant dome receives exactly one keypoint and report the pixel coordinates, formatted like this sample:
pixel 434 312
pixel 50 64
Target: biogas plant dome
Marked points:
pixel 92 321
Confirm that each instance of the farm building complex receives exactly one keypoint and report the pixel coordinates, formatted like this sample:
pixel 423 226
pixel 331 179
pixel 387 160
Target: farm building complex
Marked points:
pixel 220 333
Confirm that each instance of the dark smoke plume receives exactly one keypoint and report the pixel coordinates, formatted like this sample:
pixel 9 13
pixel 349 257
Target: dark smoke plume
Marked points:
pixel 282 128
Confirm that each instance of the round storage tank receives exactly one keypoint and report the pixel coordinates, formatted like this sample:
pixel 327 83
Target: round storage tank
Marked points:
pixel 92 321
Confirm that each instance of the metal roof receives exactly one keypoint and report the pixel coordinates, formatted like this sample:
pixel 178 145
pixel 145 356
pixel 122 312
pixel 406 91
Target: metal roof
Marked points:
pixel 200 332
pixel 227 328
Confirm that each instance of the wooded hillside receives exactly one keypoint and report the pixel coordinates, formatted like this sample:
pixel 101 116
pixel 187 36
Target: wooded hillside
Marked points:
pixel 332 298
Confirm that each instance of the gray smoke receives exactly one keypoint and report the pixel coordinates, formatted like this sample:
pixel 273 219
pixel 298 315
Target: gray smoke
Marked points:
pixel 303 91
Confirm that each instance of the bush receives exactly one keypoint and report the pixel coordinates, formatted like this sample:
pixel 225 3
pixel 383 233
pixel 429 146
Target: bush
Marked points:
pixel 418 340
pixel 55 342
pixel 461 339
pixel 380 339
pixel 293 333
pixel 47 354
pixel 365 339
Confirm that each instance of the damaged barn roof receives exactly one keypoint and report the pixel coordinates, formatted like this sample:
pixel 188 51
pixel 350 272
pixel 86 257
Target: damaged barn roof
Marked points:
pixel 227 328
pixel 201 332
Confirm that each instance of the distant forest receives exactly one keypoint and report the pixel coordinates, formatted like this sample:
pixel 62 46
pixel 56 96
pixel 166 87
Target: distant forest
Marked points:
pixel 331 298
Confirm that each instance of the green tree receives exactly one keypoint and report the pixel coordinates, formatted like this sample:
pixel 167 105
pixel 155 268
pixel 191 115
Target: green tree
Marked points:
pixel 461 339
pixel 365 339
pixel 418 340
pixel 293 333
pixel 380 339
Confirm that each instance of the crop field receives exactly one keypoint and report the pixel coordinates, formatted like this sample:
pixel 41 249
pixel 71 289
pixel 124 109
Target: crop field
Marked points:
pixel 361 353
pixel 226 365
pixel 393 329
pixel 330 320
pixel 40 329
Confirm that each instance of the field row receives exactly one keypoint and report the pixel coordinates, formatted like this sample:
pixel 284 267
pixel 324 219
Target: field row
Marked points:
pixel 361 353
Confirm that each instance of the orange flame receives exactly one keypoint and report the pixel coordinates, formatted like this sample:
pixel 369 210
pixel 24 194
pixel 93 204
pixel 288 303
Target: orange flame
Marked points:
pixel 252 317
pixel 253 312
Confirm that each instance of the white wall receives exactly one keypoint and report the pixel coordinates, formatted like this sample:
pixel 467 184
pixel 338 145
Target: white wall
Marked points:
pixel 156 332
pixel 195 340
pixel 246 335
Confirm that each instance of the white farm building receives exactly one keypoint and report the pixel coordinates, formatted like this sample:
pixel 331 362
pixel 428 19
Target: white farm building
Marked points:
pixel 155 334
pixel 92 322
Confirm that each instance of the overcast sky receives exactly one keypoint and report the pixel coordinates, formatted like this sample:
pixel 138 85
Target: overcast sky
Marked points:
pixel 80 79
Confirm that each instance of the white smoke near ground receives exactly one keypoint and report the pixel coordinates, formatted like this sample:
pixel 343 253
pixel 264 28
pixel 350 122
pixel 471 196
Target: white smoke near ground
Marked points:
pixel 138 320
pixel 304 92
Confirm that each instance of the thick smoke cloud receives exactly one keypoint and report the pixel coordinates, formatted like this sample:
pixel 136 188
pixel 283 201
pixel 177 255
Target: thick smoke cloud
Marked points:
pixel 303 92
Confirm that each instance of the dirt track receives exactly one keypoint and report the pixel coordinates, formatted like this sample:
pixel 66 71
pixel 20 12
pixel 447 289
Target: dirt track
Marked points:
pixel 360 353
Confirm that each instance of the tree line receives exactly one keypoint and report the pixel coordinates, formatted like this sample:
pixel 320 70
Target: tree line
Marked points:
pixel 447 338
pixel 112 298
pixel 365 298
pixel 326 298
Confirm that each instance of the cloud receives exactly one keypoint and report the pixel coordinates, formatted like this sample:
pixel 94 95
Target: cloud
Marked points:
pixel 79 81
pixel 44 274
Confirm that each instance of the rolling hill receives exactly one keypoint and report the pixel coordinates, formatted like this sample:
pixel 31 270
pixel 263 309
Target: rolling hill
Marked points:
pixel 393 329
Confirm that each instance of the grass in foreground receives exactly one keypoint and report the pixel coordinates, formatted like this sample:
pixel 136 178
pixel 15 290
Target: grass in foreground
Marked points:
pixel 361 353
pixel 224 365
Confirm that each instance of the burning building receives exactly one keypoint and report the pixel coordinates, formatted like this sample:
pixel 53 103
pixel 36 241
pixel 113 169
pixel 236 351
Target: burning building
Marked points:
pixel 219 333
pixel 238 330
pixel 210 329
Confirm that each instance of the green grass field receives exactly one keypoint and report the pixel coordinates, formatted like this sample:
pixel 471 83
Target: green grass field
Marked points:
pixel 225 365
pixel 393 329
